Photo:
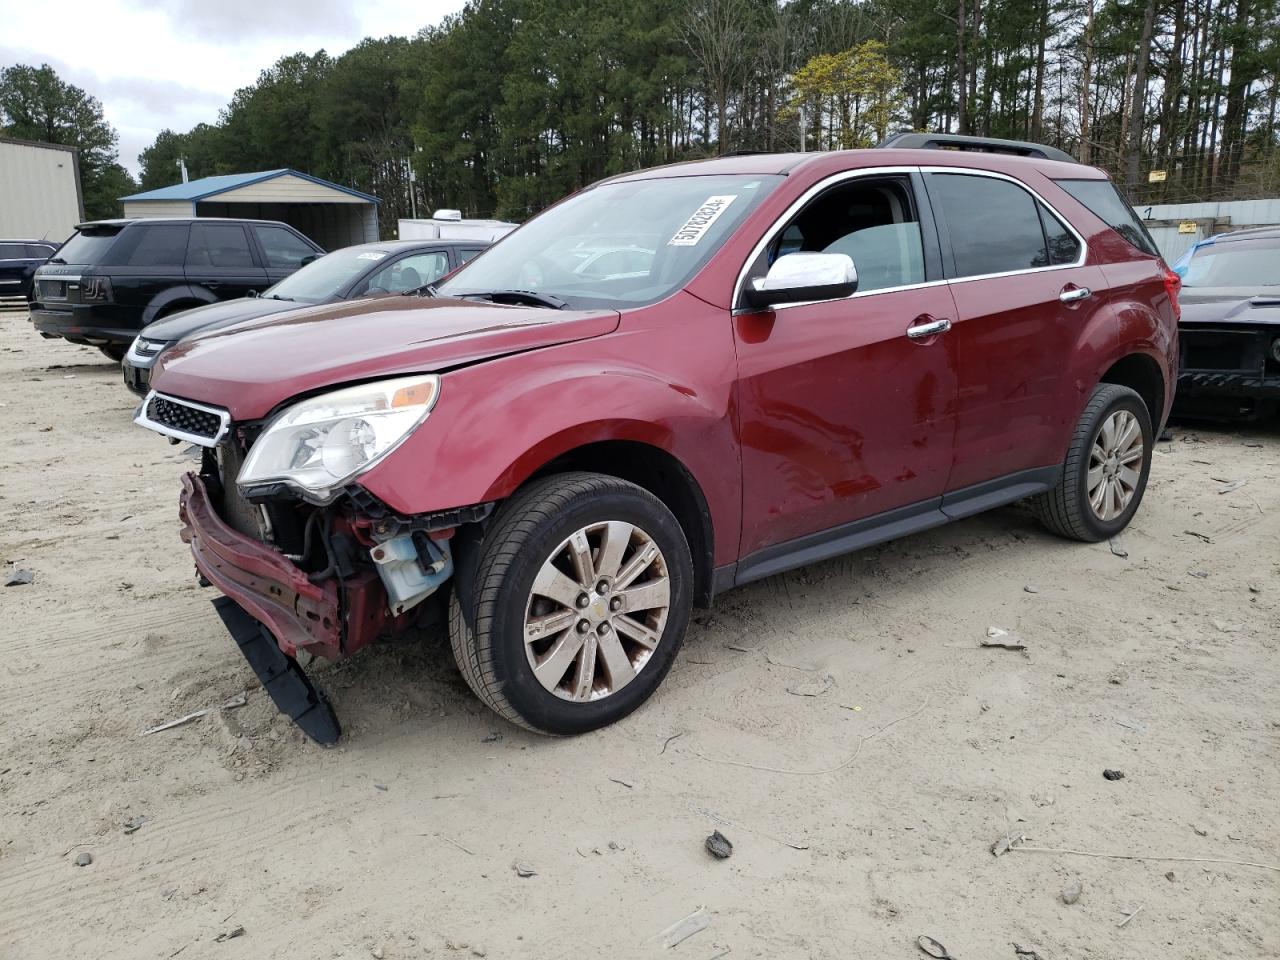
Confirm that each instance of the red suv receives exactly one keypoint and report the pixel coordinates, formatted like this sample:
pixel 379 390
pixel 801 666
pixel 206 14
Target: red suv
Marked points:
pixel 671 383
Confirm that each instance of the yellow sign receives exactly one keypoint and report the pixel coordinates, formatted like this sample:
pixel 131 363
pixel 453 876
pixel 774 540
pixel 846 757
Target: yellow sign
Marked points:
pixel 1157 176
pixel 1188 226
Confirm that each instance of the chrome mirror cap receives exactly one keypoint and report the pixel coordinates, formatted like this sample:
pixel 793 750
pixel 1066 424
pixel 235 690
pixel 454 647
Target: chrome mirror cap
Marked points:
pixel 803 277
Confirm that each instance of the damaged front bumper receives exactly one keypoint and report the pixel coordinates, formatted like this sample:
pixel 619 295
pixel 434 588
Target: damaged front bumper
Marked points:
pixel 328 619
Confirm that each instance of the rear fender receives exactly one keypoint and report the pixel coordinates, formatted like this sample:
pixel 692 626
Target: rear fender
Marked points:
pixel 188 297
pixel 1137 319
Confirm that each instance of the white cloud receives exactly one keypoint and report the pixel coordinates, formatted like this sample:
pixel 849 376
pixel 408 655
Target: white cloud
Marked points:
pixel 175 63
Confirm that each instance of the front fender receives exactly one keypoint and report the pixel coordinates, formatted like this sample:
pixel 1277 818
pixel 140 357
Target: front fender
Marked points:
pixel 498 422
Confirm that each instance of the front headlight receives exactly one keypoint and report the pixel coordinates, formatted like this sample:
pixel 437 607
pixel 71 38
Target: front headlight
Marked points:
pixel 317 445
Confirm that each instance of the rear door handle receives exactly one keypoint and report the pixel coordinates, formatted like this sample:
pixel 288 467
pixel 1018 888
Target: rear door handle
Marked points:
pixel 1074 294
pixel 923 331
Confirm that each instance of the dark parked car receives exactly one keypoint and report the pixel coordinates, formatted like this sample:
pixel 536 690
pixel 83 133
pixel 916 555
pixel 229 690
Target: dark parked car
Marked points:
pixel 811 353
pixel 1230 326
pixel 397 266
pixel 18 262
pixel 113 277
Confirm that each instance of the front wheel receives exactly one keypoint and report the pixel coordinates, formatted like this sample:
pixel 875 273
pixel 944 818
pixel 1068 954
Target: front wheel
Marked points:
pixel 1105 473
pixel 581 600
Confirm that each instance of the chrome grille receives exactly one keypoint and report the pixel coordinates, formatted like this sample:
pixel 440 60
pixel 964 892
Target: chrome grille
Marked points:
pixel 183 419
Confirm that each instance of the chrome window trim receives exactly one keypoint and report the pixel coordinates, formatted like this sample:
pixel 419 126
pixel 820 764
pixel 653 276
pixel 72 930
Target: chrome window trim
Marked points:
pixel 777 226
pixel 224 419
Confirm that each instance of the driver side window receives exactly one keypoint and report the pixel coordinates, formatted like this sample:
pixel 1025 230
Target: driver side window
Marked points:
pixel 873 221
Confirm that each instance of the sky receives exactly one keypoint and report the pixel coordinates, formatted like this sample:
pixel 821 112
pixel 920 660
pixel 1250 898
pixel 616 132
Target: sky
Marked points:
pixel 175 63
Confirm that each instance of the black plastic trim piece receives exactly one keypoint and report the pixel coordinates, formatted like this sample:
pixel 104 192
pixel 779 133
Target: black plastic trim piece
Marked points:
pixel 845 538
pixel 890 525
pixel 910 140
pixel 980 497
pixel 289 688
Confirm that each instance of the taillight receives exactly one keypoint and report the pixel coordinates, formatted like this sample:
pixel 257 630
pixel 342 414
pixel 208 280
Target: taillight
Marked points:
pixel 1172 284
pixel 95 289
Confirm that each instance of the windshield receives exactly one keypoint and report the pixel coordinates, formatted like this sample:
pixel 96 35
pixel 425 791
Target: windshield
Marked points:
pixel 321 279
pixel 1236 263
pixel 87 246
pixel 617 245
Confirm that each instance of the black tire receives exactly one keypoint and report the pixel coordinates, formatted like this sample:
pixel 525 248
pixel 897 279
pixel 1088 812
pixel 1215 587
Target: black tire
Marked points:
pixel 115 351
pixel 523 535
pixel 1066 509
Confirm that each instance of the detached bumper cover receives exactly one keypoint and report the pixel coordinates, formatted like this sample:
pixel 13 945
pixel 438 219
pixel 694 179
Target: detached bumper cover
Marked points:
pixel 300 614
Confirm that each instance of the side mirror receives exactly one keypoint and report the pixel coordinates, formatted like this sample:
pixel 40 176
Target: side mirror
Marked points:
pixel 252 294
pixel 309 258
pixel 802 277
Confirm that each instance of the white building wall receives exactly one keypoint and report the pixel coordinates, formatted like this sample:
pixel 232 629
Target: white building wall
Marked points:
pixel 150 209
pixel 39 191
pixel 286 189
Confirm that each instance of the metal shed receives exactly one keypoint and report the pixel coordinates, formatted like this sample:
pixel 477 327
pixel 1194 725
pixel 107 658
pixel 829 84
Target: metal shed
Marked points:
pixel 40 196
pixel 1176 226
pixel 330 214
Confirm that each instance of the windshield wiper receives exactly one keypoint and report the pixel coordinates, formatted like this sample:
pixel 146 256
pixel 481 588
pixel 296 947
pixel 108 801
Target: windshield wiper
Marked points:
pixel 276 296
pixel 517 296
pixel 55 260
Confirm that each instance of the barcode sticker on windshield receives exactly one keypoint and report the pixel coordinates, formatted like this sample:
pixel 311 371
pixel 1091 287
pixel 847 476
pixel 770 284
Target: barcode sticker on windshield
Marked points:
pixel 696 226
pixel 371 255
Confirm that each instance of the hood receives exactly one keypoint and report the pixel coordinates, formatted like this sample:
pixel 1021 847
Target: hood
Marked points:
pixel 1230 305
pixel 213 316
pixel 253 366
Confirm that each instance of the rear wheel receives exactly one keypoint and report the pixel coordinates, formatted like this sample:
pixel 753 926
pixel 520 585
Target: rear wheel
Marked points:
pixel 115 351
pixel 1105 474
pixel 580 602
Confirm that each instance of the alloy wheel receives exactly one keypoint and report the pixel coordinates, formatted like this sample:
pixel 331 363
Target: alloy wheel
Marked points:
pixel 596 611
pixel 1115 465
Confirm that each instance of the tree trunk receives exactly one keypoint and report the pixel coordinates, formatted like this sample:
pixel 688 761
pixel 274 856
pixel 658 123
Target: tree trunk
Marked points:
pixel 1037 110
pixel 1242 75
pixel 1086 71
pixel 962 74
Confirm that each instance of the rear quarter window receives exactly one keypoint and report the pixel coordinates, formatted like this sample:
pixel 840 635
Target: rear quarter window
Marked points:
pixel 1104 202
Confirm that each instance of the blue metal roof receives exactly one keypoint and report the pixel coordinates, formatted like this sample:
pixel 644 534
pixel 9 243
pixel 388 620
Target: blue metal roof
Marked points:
pixel 207 187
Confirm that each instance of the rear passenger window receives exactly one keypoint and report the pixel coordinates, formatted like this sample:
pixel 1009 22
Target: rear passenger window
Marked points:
pixel 153 245
pixel 993 224
pixel 12 251
pixel 1064 248
pixel 218 245
pixel 282 247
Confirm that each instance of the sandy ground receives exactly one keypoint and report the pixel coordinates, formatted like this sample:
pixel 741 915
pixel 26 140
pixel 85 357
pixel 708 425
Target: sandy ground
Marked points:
pixel 889 750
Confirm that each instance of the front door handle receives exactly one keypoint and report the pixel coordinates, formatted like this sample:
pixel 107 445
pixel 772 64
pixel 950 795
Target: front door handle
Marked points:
pixel 1075 294
pixel 931 328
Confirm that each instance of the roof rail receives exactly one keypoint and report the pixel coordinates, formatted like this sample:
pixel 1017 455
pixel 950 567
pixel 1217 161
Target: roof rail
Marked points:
pixel 953 141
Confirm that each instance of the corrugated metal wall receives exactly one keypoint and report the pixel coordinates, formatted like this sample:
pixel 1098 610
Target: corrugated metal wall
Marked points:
pixel 1210 218
pixel 39 191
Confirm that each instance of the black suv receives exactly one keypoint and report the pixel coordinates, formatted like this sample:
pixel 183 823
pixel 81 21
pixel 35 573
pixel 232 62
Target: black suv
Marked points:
pixel 18 262
pixel 113 277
